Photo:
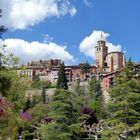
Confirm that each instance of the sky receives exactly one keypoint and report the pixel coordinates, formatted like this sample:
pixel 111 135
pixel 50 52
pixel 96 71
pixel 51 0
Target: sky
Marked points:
pixel 70 29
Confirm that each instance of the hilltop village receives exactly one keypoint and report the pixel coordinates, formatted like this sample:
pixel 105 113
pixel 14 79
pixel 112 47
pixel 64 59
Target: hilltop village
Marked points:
pixel 105 68
pixel 53 100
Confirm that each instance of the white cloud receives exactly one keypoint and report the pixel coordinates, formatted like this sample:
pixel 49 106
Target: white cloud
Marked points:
pixel 72 11
pixel 20 14
pixel 47 38
pixel 88 3
pixel 28 51
pixel 87 46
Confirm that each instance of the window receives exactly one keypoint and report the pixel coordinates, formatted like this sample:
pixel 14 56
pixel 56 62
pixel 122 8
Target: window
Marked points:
pixel 105 64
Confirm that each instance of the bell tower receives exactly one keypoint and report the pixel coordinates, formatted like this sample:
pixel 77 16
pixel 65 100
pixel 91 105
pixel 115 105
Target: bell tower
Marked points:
pixel 101 51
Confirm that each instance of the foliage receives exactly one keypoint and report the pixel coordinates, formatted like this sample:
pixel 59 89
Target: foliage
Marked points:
pixel 64 111
pixel 5 106
pixel 35 99
pixel 44 95
pixel 32 119
pixel 137 71
pixel 90 116
pixel 38 112
pixel 7 60
pixel 124 107
pixel 12 87
pixel 62 79
pixel 85 68
pixel 129 71
pixel 2 30
pixel 95 89
pixel 5 82
pixel 13 90
pixel 96 102
pixel 77 89
pixel 38 84
pixel 27 105
pixel 10 125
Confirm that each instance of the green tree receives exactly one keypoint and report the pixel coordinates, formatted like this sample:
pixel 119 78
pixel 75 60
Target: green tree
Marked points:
pixel 38 84
pixel 85 68
pixel 124 106
pixel 14 95
pixel 7 60
pixel 129 71
pixel 64 110
pixel 44 94
pixel 27 104
pixel 77 88
pixel 96 99
pixel 12 89
pixel 95 90
pixel 5 82
pixel 2 30
pixel 62 79
pixel 9 126
pixel 37 113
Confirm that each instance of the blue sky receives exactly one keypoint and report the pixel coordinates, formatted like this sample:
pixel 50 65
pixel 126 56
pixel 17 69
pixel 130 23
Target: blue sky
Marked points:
pixel 69 29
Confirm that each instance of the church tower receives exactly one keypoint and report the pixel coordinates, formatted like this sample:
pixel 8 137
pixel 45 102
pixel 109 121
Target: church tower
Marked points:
pixel 101 51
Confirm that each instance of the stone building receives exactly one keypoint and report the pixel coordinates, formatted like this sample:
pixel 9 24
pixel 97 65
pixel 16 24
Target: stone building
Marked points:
pixel 26 73
pixel 101 51
pixel 115 61
pixel 105 61
pixel 108 64
pixel 45 63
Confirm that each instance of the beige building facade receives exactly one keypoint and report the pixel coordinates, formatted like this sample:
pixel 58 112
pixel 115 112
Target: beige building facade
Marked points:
pixel 107 62
pixel 26 73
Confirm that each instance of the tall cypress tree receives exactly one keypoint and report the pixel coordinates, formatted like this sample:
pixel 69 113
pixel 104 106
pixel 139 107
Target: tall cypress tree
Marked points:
pixel 62 79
